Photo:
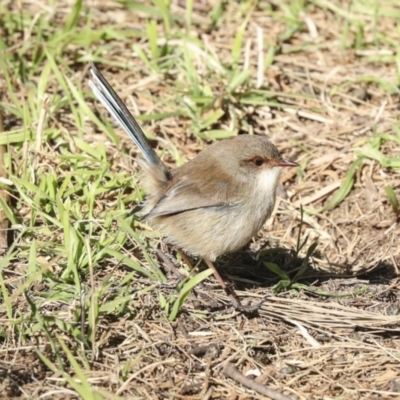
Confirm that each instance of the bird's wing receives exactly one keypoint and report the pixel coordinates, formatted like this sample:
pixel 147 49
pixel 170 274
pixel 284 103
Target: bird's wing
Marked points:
pixel 187 195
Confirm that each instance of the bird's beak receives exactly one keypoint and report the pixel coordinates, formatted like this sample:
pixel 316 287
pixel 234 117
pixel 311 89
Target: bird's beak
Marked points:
pixel 286 163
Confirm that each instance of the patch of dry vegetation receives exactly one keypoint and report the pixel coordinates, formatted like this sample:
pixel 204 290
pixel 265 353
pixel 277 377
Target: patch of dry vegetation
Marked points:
pixel 90 308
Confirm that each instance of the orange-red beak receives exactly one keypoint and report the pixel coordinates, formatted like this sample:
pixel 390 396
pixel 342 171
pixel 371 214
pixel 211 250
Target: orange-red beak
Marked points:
pixel 286 163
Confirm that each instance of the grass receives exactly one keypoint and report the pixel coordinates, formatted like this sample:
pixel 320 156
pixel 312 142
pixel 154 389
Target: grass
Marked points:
pixel 87 307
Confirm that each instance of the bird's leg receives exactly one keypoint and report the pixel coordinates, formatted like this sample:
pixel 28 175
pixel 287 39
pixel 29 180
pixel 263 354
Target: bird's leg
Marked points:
pixel 209 300
pixel 169 262
pixel 186 259
pixel 231 293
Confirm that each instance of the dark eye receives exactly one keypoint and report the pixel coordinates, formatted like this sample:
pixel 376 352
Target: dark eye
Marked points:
pixel 258 161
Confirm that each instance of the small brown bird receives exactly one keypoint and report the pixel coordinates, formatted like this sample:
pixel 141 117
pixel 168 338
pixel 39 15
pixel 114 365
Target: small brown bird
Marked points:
pixel 215 203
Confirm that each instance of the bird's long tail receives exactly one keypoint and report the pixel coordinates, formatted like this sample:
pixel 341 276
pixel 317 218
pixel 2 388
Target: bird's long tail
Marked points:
pixel 115 106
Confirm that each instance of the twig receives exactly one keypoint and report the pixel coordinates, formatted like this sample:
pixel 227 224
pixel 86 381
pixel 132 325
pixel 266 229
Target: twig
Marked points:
pixel 209 393
pixel 39 134
pixel 231 372
pixel 206 385
pixel 318 194
pixel 4 223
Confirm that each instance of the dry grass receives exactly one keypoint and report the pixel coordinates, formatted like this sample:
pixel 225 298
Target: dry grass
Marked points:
pixel 90 310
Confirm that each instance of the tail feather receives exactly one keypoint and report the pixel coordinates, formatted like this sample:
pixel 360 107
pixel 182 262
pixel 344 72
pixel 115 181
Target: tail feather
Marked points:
pixel 115 106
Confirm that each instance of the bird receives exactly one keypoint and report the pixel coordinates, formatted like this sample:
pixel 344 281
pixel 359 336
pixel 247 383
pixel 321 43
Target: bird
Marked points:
pixel 214 203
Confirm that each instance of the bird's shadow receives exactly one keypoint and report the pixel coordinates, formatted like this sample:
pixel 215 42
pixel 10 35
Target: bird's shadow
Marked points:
pixel 283 266
pixel 286 270
pixel 264 268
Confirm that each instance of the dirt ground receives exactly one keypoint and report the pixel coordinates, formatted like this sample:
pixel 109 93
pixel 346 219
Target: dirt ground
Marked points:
pixel 322 84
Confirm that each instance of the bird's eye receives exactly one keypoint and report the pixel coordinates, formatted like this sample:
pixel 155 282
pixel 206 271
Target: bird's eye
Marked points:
pixel 258 161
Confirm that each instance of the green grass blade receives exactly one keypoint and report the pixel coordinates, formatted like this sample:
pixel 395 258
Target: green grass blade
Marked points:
pixel 392 199
pixel 185 291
